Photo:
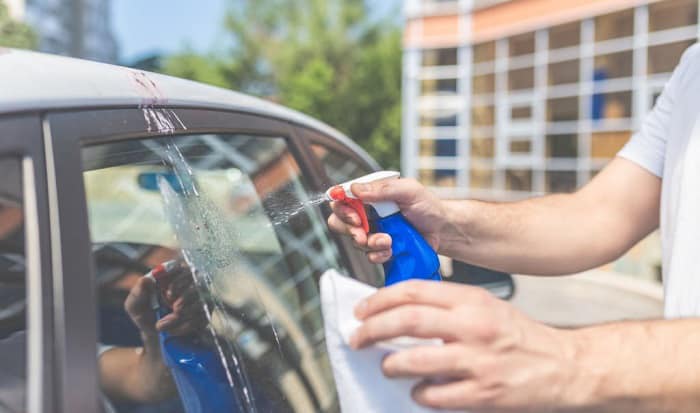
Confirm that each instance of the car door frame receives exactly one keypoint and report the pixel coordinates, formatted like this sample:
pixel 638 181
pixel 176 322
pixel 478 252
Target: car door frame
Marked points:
pixel 22 140
pixel 72 130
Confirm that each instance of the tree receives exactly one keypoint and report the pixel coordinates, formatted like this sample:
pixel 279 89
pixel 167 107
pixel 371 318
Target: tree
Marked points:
pixel 13 33
pixel 330 59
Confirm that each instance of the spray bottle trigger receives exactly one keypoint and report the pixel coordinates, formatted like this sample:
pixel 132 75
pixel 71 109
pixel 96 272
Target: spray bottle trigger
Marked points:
pixel 359 207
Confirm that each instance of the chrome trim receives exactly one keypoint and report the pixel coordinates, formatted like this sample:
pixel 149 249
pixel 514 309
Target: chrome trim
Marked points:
pixel 35 322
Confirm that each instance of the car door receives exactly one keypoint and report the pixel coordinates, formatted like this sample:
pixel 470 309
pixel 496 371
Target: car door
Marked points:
pixel 234 201
pixel 26 316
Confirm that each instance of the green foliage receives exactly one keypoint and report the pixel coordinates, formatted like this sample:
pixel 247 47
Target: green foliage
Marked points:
pixel 330 59
pixel 13 33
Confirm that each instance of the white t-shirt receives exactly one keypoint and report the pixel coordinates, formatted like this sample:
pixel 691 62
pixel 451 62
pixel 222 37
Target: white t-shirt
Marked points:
pixel 668 145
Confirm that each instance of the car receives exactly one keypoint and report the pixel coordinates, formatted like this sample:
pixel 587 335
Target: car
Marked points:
pixel 109 172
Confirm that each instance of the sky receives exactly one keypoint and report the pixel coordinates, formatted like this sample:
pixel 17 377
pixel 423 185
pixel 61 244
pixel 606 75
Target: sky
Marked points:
pixel 144 27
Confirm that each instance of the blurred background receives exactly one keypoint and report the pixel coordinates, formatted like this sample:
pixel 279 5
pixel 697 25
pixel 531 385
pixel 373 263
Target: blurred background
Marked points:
pixel 487 99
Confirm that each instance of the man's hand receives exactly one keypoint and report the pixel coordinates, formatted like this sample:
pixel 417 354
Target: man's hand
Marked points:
pixel 187 314
pixel 139 374
pixel 494 358
pixel 421 207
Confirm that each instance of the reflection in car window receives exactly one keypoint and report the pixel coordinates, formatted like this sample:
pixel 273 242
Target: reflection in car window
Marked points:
pixel 342 168
pixel 13 337
pixel 228 224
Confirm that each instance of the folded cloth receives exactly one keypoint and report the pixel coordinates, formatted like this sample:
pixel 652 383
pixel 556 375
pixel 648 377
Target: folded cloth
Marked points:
pixel 358 376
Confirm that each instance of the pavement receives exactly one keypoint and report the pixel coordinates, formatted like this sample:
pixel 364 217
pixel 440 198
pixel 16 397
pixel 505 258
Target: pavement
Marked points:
pixel 589 298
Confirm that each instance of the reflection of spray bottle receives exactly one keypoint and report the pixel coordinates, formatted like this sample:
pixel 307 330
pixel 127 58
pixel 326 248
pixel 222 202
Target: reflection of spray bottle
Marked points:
pixel 412 257
pixel 194 364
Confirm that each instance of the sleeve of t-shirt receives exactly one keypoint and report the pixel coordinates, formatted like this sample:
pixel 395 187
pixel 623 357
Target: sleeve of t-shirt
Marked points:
pixel 647 147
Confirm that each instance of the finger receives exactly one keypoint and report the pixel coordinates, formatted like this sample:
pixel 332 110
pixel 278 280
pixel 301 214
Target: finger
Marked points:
pixel 358 234
pixel 423 292
pixel 379 257
pixel 346 213
pixel 401 191
pixel 138 299
pixel 409 320
pixel 452 395
pixel 426 361
pixel 379 241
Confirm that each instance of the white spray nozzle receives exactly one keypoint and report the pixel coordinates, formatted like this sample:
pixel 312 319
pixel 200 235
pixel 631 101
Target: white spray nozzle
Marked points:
pixel 343 191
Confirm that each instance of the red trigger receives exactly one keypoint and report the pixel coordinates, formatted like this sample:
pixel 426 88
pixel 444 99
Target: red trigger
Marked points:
pixel 359 207
pixel 337 193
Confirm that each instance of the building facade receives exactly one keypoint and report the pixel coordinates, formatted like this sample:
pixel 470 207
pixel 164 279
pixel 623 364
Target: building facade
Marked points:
pixel 79 28
pixel 504 99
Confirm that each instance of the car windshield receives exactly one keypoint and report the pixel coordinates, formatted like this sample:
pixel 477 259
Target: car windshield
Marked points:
pixel 235 215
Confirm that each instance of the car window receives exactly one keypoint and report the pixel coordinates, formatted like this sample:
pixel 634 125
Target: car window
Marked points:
pixel 13 337
pixel 238 244
pixel 340 167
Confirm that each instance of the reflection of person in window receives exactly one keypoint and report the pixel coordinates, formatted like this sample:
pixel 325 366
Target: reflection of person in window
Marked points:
pixel 135 374
pixel 139 374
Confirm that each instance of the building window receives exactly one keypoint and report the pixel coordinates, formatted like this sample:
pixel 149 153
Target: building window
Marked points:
pixel 481 178
pixel 664 58
pixel 562 146
pixel 605 145
pixel 438 147
pixel 520 79
pixel 564 72
pixel 617 105
pixel 614 65
pixel 443 178
pixel 523 44
pixel 566 35
pixel 521 112
pixel 671 14
pixel 440 57
pixel 519 180
pixel 562 109
pixel 484 52
pixel 439 87
pixel 482 115
pixel 483 84
pixel 520 146
pixel 560 181
pixel 615 25
pixel 482 147
pixel 436 119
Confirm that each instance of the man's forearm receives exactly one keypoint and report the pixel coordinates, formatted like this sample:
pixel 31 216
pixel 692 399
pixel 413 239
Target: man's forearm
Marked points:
pixel 638 367
pixel 556 234
pixel 549 235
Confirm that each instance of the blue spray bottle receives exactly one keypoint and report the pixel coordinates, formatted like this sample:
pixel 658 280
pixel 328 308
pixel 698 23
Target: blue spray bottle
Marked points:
pixel 195 366
pixel 412 257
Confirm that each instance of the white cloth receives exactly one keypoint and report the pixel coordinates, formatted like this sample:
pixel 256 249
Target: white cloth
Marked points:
pixel 668 145
pixel 358 377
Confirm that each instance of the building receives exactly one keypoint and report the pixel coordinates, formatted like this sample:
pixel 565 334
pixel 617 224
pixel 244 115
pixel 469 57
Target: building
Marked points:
pixel 504 99
pixel 79 28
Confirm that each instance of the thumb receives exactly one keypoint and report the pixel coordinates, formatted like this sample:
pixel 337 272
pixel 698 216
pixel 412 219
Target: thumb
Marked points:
pixel 401 191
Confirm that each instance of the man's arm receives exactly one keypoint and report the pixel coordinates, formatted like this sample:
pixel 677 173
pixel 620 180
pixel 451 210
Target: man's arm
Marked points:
pixel 557 234
pixel 550 235
pixel 648 366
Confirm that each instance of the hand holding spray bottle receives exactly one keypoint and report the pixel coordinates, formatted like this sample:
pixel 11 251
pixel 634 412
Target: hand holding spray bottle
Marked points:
pixel 196 368
pixel 412 257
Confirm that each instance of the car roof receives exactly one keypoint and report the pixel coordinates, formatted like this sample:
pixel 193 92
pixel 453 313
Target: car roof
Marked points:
pixel 32 81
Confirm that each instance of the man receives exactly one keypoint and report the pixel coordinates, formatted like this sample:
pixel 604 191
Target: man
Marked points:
pixel 496 359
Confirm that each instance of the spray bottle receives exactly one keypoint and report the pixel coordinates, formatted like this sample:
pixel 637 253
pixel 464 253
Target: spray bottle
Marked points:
pixel 195 366
pixel 412 257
